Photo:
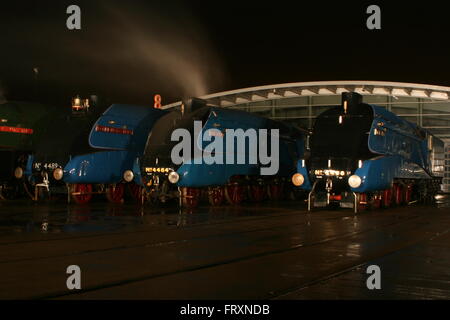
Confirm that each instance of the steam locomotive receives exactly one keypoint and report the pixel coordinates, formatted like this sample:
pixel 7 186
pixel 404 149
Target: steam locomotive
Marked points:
pixel 199 173
pixel 21 125
pixel 120 133
pixel 65 136
pixel 363 156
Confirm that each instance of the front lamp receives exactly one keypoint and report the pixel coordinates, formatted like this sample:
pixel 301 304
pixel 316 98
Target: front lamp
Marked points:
pixel 18 173
pixel 354 181
pixel 173 177
pixel 298 179
pixel 58 173
pixel 128 175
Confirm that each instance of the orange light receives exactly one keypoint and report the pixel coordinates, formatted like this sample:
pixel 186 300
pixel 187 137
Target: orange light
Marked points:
pixel 157 100
pixel 298 179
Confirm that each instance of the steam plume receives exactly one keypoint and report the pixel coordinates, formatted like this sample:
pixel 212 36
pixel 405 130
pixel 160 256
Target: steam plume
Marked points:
pixel 173 53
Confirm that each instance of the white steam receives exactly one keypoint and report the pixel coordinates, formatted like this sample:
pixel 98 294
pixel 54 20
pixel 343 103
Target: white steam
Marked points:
pixel 171 52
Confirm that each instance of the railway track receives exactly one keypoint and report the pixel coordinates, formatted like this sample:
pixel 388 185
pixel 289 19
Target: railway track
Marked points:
pixel 206 247
pixel 296 292
pixel 282 227
pixel 239 259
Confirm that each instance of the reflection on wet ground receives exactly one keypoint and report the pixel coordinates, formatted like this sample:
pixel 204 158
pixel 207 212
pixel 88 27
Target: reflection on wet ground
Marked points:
pixel 442 200
pixel 56 217
pixel 252 251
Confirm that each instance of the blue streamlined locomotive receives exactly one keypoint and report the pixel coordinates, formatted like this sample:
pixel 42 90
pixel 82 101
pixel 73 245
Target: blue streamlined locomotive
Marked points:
pixel 165 179
pixel 122 131
pixel 363 156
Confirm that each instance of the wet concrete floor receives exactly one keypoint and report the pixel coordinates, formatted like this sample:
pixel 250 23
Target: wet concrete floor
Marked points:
pixel 254 251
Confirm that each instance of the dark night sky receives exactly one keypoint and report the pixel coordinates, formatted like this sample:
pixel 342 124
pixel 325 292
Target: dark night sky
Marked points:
pixel 129 50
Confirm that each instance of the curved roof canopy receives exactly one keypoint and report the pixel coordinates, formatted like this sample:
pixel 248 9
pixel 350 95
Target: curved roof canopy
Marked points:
pixel 297 89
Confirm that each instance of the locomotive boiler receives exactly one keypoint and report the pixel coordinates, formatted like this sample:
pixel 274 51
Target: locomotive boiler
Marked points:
pixel 365 156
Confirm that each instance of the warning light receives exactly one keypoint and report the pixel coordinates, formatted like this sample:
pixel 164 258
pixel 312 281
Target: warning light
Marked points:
pixel 76 103
pixel 79 104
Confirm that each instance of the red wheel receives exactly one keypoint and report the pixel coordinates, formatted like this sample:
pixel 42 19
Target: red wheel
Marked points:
pixel 275 191
pixel 190 197
pixel 135 191
pixel 257 192
pixel 81 193
pixel 234 193
pixel 398 193
pixel 376 201
pixel 216 195
pixel 386 199
pixel 362 201
pixel 114 193
pixel 408 193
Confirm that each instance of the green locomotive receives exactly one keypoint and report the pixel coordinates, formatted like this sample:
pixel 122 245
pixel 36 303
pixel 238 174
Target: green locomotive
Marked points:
pixel 21 126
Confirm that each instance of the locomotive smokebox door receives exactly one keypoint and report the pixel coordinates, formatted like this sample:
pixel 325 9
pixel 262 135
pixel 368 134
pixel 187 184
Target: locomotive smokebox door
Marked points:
pixel 193 104
pixel 350 101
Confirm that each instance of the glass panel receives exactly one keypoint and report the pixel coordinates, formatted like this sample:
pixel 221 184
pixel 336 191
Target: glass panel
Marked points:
pixel 316 110
pixel 292 112
pixel 326 100
pixel 376 99
pixel 295 101
pixel 405 106
pixel 436 107
pixel 435 121
pixel 412 119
